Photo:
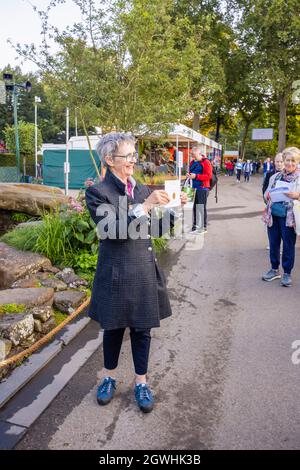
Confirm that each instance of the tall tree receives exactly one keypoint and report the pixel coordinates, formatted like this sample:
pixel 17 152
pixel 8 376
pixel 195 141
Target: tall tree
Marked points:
pixel 270 31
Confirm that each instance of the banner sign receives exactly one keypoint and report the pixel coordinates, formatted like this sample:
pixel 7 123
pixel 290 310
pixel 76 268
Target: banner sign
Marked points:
pixel 262 134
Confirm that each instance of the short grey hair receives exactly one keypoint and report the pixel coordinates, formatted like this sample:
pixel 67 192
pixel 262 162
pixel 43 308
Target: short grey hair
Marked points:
pixel 109 144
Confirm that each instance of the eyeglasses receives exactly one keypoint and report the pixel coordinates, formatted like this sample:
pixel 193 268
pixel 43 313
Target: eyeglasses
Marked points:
pixel 129 157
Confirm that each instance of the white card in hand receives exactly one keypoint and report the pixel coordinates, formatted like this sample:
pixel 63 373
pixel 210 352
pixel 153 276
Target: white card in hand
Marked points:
pixel 172 187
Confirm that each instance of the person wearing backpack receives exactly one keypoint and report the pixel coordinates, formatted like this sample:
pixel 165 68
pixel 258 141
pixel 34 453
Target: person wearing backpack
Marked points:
pixel 201 174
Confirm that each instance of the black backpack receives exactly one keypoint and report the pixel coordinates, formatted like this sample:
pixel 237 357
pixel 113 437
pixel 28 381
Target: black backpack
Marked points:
pixel 214 179
pixel 214 182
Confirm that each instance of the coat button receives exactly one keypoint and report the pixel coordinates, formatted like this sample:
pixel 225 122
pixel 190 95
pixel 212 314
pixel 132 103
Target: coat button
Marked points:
pixel 149 248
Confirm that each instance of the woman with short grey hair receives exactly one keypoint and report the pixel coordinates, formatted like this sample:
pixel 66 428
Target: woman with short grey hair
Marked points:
pixel 129 289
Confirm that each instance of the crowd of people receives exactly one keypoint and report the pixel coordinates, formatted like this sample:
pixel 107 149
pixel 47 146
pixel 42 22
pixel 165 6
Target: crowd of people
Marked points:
pixel 239 167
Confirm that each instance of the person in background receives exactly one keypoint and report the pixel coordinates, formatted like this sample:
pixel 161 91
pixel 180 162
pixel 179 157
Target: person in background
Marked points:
pixel 247 168
pixel 227 168
pixel 280 219
pixel 238 170
pixel 200 172
pixel 231 167
pixel 268 166
pixel 278 166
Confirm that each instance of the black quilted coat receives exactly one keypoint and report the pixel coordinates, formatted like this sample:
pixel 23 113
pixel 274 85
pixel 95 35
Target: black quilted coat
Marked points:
pixel 129 287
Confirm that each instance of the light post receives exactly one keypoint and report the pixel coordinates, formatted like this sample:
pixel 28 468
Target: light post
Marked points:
pixel 76 124
pixel 67 163
pixel 37 100
pixel 14 88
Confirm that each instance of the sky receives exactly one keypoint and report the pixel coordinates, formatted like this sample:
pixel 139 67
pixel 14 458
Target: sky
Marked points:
pixel 20 23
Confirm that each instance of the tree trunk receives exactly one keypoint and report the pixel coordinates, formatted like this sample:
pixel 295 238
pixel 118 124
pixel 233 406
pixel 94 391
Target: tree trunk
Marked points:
pixel 218 125
pixel 196 122
pixel 283 102
pixel 246 129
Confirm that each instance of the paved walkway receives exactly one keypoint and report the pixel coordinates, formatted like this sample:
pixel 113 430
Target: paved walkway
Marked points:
pixel 220 367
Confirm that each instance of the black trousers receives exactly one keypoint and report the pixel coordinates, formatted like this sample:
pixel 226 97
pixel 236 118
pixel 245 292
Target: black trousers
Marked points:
pixel 199 208
pixel 140 347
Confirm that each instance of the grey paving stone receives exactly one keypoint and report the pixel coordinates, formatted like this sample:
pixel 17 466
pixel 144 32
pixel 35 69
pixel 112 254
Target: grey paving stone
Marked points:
pixel 22 374
pixel 36 396
pixel 70 331
pixel 10 434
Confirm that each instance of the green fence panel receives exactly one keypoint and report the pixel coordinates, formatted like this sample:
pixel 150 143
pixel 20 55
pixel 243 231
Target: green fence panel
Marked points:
pixel 8 174
pixel 81 167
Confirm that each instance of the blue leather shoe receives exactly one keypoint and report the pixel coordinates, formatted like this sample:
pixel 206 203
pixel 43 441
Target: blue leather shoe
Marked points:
pixel 106 391
pixel 144 397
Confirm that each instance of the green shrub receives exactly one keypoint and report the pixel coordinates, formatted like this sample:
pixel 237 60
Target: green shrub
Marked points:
pixel 23 238
pixel 159 244
pixel 11 308
pixel 19 217
pixel 85 261
pixel 59 316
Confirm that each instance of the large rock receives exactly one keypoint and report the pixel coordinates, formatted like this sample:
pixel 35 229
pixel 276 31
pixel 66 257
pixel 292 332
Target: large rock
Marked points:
pixel 5 347
pixel 56 284
pixel 68 276
pixel 16 328
pixel 30 297
pixel 67 301
pixel 42 313
pixel 26 283
pixel 48 325
pixel 15 264
pixel 30 198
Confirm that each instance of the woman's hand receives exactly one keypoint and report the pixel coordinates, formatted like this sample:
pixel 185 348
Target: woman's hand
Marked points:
pixel 192 175
pixel 293 195
pixel 267 197
pixel 183 198
pixel 157 198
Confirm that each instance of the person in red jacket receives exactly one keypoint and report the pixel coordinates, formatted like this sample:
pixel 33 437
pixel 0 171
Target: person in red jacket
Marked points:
pixel 200 172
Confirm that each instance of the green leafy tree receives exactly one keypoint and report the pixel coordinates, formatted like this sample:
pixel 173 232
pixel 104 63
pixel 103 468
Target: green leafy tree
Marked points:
pixel 270 31
pixel 26 138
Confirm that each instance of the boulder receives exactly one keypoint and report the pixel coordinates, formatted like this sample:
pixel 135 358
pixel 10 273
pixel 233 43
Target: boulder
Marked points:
pixel 26 283
pixel 68 276
pixel 26 343
pixel 51 269
pixel 56 284
pixel 5 347
pixel 67 301
pixel 43 275
pixel 38 326
pixel 30 198
pixel 16 264
pixel 17 327
pixel 6 222
pixel 42 313
pixel 48 325
pixel 32 224
pixel 31 297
